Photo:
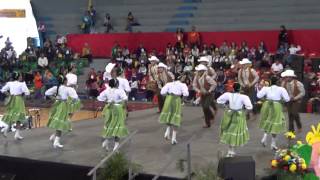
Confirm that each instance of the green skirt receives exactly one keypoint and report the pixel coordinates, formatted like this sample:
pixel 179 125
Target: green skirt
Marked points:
pixel 114 125
pixel 59 118
pixel 74 105
pixel 233 128
pixel 171 111
pixel 15 110
pixel 272 118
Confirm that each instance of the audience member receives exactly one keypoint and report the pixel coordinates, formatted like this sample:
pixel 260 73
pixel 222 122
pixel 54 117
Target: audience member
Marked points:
pixel 107 23
pixel 42 62
pixel 194 37
pixel 86 52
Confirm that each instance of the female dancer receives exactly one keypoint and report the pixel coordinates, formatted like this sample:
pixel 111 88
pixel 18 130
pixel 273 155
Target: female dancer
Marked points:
pixel 114 114
pixel 171 112
pixel 15 109
pixel 233 129
pixel 61 110
pixel 272 118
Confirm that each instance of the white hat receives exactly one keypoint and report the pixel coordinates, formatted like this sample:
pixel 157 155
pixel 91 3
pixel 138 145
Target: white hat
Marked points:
pixel 288 73
pixel 109 67
pixel 161 65
pixel 245 61
pixel 201 67
pixel 72 79
pixel 203 59
pixel 153 58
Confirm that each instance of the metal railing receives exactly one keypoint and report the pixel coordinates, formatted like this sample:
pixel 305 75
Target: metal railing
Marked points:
pixel 93 171
pixel 189 170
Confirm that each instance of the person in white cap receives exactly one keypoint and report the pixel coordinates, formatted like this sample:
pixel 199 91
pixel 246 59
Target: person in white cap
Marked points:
pixel 72 78
pixel 248 78
pixel 153 74
pixel 164 77
pixel 205 61
pixel 205 86
pixel 171 114
pixel 296 92
pixel 108 70
pixel 272 119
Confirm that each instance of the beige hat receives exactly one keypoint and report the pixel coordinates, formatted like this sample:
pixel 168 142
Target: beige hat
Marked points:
pixel 161 65
pixel 201 67
pixel 288 73
pixel 153 58
pixel 245 61
pixel 109 67
pixel 203 59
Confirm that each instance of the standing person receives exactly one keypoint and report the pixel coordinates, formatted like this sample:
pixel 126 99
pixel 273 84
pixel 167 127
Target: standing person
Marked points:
pixel 61 111
pixel 15 108
pixel 296 92
pixel 193 37
pixel 164 77
pixel 272 119
pixel 283 38
pixel 114 114
pixel 233 130
pixel 205 86
pixel 205 61
pixel 248 77
pixel 171 112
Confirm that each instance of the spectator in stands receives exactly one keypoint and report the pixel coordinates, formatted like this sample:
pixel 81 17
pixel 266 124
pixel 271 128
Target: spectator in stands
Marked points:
pixel 49 80
pixel 283 38
pixel 224 48
pixel 92 84
pixel 141 51
pixel 86 23
pixel 276 68
pixel 114 50
pixel 194 37
pixel 42 62
pixel 37 85
pixel 107 23
pixel 131 21
pixel 134 88
pixel 42 31
pixel 92 14
pixel 86 52
pixel 72 78
pixel 292 52
pixel 179 36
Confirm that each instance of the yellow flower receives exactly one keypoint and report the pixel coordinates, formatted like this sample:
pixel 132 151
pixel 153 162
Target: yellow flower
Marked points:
pixel 303 166
pixel 299 142
pixel 290 135
pixel 287 158
pixel 313 136
pixel 293 168
pixel 274 163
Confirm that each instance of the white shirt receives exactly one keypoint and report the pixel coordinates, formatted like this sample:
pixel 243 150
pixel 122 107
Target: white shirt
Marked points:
pixel 113 95
pixel 236 101
pixel 177 88
pixel 16 88
pixel 43 61
pixel 64 92
pixel 274 93
pixel 72 79
pixel 277 67
pixel 294 50
pixel 124 84
pixel 134 85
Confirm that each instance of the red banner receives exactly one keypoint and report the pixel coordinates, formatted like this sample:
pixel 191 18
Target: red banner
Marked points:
pixel 101 44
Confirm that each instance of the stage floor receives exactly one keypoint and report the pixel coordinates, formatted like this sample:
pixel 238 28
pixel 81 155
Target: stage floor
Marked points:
pixel 83 144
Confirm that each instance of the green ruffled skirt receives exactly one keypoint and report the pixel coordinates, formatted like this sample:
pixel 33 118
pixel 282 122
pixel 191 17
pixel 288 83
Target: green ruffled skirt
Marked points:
pixel 171 111
pixel 272 118
pixel 114 125
pixel 233 128
pixel 15 110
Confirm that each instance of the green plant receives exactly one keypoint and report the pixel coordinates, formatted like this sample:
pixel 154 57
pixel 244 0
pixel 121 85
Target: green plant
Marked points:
pixel 117 167
pixel 207 172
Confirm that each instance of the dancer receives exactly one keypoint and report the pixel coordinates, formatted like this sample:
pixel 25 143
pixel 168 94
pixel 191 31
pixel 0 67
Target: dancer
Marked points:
pixel 205 61
pixel 114 114
pixel 15 109
pixel 296 92
pixel 62 110
pixel 205 86
pixel 171 112
pixel 272 119
pixel 233 129
pixel 164 77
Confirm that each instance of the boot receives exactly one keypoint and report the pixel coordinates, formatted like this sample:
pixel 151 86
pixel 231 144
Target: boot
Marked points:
pixel 167 133
pixel 231 152
pixel 105 144
pixel 5 130
pixel 174 137
pixel 273 144
pixel 56 143
pixel 17 135
pixel 52 137
pixel 264 140
pixel 116 145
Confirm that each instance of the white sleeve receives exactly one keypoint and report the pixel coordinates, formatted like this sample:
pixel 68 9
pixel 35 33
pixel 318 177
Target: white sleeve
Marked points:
pixel 223 98
pixel 72 93
pixel 127 86
pixel 123 95
pixel 52 91
pixel 102 96
pixel 25 89
pixel 164 89
pixel 285 95
pixel 5 88
pixel 185 90
pixel 262 93
pixel 247 102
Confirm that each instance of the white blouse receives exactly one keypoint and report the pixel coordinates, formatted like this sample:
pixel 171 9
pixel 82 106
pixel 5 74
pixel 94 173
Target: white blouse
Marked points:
pixel 64 92
pixel 16 88
pixel 236 101
pixel 124 84
pixel 177 88
pixel 112 95
pixel 274 93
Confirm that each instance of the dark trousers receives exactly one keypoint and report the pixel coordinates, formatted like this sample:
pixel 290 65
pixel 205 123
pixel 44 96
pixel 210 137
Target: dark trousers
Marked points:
pixel 293 112
pixel 250 92
pixel 161 100
pixel 208 107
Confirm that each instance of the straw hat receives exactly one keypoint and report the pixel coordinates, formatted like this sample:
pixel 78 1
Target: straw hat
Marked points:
pixel 161 65
pixel 201 67
pixel 288 73
pixel 153 58
pixel 203 59
pixel 245 61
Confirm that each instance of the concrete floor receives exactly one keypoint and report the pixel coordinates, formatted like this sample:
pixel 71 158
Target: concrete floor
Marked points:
pixel 83 144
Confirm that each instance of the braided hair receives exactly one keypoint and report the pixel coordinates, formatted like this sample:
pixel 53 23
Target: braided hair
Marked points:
pixel 15 75
pixel 61 81
pixel 236 87
pixel 113 83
